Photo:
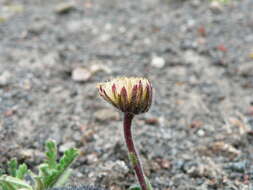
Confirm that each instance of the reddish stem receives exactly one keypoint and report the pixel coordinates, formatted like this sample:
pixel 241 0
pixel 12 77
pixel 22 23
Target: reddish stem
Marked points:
pixel 128 117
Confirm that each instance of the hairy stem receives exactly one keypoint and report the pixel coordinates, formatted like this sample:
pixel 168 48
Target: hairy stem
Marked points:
pixel 133 156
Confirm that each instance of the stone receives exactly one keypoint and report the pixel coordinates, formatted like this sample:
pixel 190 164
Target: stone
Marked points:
pixel 246 69
pixel 216 7
pixel 64 8
pixel 119 166
pixel 201 133
pixel 106 114
pixel 152 121
pixel 5 78
pixel 158 62
pixel 37 27
pixel 104 38
pixel 195 3
pixel 81 74
pixel 108 27
pixel 95 67
pixel 165 164
pixel 74 26
pixel 226 149
pixel 92 158
pixel 26 153
pixel 205 168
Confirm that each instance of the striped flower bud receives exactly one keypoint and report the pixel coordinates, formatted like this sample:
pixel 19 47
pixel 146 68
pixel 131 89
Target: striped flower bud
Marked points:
pixel 130 95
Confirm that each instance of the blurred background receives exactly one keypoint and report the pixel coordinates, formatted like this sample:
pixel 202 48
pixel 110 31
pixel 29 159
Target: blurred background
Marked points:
pixel 198 54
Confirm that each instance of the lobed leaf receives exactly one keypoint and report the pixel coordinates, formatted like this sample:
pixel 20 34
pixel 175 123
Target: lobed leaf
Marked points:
pixel 12 167
pixel 51 154
pixel 12 182
pixel 52 173
pixel 21 171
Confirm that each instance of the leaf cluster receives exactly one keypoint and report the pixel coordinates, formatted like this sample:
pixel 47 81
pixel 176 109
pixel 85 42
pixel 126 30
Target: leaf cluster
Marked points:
pixel 52 173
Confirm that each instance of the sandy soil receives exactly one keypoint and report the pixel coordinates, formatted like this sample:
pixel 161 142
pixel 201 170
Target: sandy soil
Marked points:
pixel 197 54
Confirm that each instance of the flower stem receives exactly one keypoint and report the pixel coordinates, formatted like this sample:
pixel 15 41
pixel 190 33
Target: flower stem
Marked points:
pixel 133 156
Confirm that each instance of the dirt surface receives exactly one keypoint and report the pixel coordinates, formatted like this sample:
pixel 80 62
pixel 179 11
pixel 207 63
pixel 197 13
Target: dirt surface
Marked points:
pixel 197 54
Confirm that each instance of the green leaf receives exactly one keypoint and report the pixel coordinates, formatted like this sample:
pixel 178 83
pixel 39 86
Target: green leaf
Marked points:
pixel 12 167
pixel 7 186
pixel 3 186
pixel 52 173
pixel 51 154
pixel 38 183
pixel 21 171
pixel 68 157
pixel 12 182
pixel 63 178
pixel 44 170
pixel 65 162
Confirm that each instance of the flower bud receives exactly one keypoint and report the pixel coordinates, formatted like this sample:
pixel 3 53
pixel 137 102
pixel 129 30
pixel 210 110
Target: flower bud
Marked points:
pixel 131 95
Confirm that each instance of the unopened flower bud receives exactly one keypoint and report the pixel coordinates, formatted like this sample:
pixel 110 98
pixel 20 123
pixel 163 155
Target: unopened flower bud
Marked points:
pixel 131 95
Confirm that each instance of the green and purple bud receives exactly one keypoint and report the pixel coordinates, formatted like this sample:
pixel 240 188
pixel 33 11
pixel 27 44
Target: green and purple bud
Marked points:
pixel 130 95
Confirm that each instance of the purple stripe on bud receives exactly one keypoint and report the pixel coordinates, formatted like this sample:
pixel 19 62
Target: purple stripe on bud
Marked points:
pixel 114 88
pixel 123 95
pixel 114 91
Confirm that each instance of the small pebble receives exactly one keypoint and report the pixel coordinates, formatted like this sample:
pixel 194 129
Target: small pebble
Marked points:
pixel 158 62
pixel 81 74
pixel 195 3
pixel 74 26
pixel 226 149
pixel 64 8
pixel 201 133
pixel 152 121
pixel 26 153
pixel 99 67
pixel 37 27
pixel 119 166
pixel 5 78
pixel 92 158
pixel 216 7
pixel 246 69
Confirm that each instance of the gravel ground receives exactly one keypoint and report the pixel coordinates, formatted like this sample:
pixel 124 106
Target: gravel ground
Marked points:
pixel 197 54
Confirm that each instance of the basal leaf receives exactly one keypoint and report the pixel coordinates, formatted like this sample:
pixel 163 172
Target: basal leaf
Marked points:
pixel 13 182
pixel 12 167
pixel 21 171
